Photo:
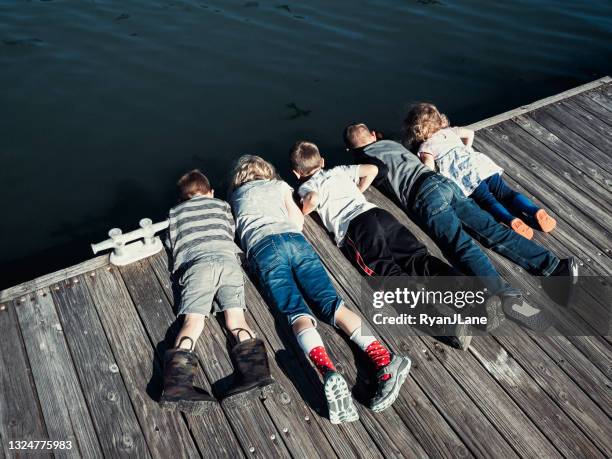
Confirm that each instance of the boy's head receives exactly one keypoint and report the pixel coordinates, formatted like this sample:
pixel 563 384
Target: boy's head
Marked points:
pixel 249 168
pixel 305 159
pixel 357 135
pixel 422 121
pixel 194 183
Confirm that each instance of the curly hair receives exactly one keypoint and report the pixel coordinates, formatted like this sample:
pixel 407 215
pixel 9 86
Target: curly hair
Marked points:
pixel 422 121
pixel 249 168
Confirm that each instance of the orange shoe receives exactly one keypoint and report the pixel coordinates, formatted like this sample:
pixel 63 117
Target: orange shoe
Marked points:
pixel 546 222
pixel 521 228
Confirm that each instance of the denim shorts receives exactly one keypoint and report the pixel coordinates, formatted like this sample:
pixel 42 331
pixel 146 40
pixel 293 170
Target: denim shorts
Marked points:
pixel 214 284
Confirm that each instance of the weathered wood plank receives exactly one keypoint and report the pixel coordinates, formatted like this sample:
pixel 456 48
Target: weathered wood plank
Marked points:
pixel 348 441
pixel 598 121
pixel 590 104
pixel 45 281
pixel 109 403
pixel 166 433
pixel 580 164
pixel 586 414
pixel 540 408
pixel 601 96
pixel 156 314
pixel 454 404
pixel 574 140
pixel 593 133
pixel 20 414
pixel 61 399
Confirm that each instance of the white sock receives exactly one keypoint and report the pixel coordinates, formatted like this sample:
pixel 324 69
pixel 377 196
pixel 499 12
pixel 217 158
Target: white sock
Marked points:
pixel 309 339
pixel 362 337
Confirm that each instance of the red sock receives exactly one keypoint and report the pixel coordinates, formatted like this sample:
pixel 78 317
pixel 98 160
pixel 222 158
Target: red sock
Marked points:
pixel 318 356
pixel 379 354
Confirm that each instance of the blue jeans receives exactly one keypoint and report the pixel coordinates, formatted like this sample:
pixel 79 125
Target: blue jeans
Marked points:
pixel 501 201
pixel 293 277
pixel 449 216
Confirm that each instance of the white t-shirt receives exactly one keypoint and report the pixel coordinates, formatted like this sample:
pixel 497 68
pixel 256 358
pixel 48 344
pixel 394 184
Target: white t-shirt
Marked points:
pixel 339 198
pixel 462 164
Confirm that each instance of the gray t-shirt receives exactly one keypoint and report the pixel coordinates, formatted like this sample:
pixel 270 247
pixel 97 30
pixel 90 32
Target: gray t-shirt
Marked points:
pixel 260 211
pixel 404 166
pixel 339 198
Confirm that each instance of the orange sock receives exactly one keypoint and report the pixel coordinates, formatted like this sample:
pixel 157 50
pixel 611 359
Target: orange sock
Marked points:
pixel 521 228
pixel 546 222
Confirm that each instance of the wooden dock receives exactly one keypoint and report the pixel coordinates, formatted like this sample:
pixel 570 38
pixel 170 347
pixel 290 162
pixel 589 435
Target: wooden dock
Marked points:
pixel 81 349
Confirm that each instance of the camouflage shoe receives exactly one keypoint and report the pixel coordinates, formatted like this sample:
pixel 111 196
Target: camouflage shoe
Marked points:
pixel 180 366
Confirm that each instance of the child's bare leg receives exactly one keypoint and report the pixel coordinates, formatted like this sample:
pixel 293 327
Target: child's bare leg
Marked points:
pixel 347 320
pixel 236 323
pixel 193 325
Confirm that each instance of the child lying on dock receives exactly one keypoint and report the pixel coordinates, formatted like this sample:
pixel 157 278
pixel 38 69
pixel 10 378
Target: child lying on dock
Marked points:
pixel 369 236
pixel 269 225
pixel 201 239
pixel 449 150
pixel 452 219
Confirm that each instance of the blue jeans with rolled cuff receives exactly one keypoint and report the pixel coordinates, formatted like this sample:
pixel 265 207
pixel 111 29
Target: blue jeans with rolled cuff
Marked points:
pixel 496 197
pixel 293 278
pixel 454 221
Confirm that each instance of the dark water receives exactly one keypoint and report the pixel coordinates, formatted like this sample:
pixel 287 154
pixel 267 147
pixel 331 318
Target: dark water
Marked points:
pixel 104 103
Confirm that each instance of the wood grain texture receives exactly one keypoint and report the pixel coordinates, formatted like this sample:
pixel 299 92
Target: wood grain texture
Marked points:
pixel 20 414
pixel 59 392
pixel 109 403
pixel 166 433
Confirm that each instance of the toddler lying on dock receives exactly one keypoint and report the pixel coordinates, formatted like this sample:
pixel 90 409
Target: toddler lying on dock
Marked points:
pixel 449 150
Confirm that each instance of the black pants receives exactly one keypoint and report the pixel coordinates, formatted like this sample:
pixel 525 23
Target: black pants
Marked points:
pixel 381 246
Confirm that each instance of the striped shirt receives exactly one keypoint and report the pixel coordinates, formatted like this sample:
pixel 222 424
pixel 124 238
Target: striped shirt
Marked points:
pixel 198 227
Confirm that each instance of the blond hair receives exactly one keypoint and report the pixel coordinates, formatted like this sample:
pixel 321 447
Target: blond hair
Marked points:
pixel 249 168
pixel 305 157
pixel 422 121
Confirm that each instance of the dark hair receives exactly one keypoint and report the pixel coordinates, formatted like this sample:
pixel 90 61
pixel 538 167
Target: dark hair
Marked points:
pixel 305 157
pixel 192 183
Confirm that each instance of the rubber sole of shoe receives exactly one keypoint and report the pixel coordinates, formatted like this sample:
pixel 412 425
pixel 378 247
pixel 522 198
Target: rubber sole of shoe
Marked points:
pixel 196 408
pixel 528 316
pixel 402 374
pixel 520 227
pixel 545 221
pixel 495 313
pixel 339 400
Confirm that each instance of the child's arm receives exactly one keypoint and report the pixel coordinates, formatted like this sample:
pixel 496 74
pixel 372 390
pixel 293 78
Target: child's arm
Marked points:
pixel 367 173
pixel 467 136
pixel 294 213
pixel 309 202
pixel 428 160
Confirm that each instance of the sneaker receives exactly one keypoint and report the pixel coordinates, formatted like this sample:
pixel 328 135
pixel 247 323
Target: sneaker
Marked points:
pixel 560 290
pixel 520 227
pixel 521 312
pixel 389 381
pixel 545 221
pixel 339 400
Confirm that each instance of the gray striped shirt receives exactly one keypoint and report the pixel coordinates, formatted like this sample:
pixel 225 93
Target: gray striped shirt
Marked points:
pixel 198 227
